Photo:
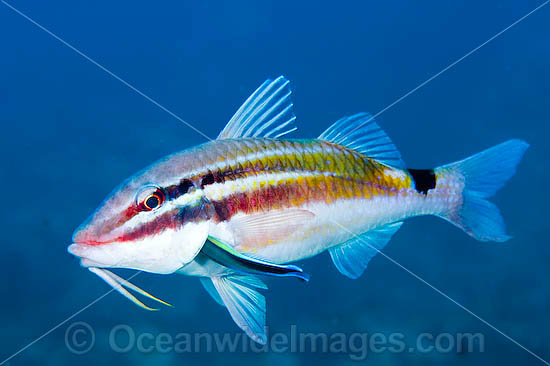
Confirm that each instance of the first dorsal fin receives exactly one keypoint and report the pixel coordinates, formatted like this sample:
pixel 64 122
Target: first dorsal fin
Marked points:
pixel 268 112
pixel 361 133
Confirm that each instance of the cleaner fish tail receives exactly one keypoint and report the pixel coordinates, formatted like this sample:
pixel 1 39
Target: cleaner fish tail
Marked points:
pixel 478 178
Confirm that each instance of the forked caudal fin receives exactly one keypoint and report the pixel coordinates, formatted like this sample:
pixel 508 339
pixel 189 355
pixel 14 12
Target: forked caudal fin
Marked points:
pixel 482 175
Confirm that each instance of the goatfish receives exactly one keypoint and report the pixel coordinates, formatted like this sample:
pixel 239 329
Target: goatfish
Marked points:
pixel 253 201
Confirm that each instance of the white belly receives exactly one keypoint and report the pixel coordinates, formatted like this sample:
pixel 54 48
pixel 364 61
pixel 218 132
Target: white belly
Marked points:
pixel 330 225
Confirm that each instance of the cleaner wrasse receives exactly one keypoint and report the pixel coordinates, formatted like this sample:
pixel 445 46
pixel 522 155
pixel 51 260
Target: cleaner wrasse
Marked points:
pixel 253 201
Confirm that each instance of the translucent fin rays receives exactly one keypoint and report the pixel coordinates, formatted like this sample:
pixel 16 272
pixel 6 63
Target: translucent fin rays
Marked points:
pixel 119 284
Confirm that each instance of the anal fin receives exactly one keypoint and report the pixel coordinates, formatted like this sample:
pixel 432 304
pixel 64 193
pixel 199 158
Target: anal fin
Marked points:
pixel 352 257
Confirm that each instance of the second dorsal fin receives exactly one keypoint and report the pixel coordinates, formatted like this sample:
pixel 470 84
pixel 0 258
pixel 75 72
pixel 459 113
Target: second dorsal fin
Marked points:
pixel 268 112
pixel 361 133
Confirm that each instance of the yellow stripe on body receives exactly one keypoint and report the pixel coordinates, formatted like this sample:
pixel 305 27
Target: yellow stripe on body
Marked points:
pixel 305 172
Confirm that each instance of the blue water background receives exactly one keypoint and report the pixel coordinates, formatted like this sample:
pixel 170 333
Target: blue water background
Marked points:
pixel 71 132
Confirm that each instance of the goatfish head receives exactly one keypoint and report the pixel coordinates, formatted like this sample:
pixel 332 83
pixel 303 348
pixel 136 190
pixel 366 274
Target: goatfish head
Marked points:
pixel 155 221
pixel 154 225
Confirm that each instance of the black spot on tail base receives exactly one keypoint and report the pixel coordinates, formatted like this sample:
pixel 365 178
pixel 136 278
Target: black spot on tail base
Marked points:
pixel 424 179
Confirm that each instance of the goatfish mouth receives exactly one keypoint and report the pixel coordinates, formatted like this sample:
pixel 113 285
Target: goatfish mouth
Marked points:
pixel 120 284
pixel 214 249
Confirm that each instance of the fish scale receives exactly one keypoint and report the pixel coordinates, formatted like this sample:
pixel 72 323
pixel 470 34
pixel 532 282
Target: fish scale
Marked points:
pixel 251 201
pixel 328 173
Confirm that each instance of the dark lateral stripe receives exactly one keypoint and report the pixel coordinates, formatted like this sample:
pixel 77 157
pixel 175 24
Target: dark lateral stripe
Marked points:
pixel 424 179
pixel 299 160
pixel 202 180
pixel 153 227
pixel 195 213
pixel 169 220
pixel 305 190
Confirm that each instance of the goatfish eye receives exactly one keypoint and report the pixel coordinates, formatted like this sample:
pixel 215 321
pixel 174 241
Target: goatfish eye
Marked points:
pixel 150 198
pixel 153 201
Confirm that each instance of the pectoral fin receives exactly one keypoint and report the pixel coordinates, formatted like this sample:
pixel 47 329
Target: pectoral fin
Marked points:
pixel 261 229
pixel 229 257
